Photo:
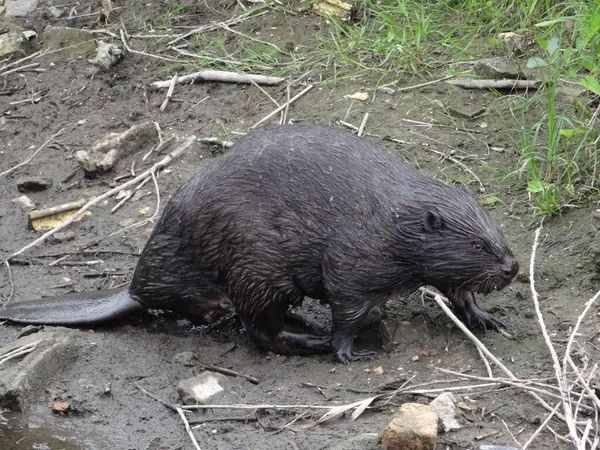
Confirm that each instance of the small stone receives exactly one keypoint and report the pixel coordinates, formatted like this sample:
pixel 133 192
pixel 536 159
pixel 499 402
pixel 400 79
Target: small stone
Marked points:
pixel 445 405
pixel 497 68
pixel 198 389
pixel 24 202
pixel 56 12
pixel 413 427
pixel 188 359
pixel 24 379
pixel 596 214
pixel 61 236
pixel 12 41
pixel 61 407
pixel 21 8
pixel 386 90
pixel 30 329
pixel 33 184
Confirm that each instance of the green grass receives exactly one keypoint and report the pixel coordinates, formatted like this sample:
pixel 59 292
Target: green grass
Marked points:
pixel 393 40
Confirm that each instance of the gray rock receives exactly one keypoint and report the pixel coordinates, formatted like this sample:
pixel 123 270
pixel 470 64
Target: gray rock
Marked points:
pixel 445 405
pixel 24 202
pixel 24 378
pixel 201 388
pixel 115 146
pixel 13 42
pixel 20 8
pixel 61 236
pixel 30 329
pixel 33 184
pixel 73 41
pixel 414 426
pixel 386 90
pixel 497 68
pixel 188 359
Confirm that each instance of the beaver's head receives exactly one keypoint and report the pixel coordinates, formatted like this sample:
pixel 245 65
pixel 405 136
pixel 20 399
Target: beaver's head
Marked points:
pixel 463 247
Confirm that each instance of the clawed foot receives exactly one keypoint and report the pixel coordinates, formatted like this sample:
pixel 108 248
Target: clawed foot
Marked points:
pixel 351 355
pixel 473 316
pixel 477 318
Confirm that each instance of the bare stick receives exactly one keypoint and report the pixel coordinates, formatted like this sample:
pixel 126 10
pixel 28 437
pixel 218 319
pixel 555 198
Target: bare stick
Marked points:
pixel 456 161
pixel 287 105
pixel 158 399
pixel 23 350
pixel 541 427
pixel 361 128
pixel 560 375
pixel 188 429
pixel 349 125
pixel 130 50
pixel 225 27
pixel 264 92
pixel 20 61
pixel 214 26
pixel 10 282
pixel 292 100
pixel 169 93
pixel 199 422
pixel 12 169
pixel 127 197
pixel 259 406
pixel 416 86
pixel 19 69
pixel 225 371
pixel 469 83
pixel 486 363
pixel 220 75
pixel 41 213
pixel 162 163
pixel 216 141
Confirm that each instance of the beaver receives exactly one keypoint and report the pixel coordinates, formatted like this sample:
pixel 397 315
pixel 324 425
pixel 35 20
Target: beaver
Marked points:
pixel 303 210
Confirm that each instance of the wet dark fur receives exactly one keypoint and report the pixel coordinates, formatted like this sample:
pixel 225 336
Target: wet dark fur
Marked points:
pixel 304 210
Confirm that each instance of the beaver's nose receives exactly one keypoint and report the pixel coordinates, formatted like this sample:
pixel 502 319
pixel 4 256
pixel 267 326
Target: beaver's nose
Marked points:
pixel 510 267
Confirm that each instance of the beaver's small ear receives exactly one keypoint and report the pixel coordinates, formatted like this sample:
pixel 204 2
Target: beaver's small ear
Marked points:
pixel 432 221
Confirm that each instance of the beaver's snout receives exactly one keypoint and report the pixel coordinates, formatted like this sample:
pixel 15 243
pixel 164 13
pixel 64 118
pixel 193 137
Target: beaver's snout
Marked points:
pixel 510 267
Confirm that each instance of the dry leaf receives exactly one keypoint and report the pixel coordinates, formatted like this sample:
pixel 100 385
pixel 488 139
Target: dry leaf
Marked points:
pixel 361 96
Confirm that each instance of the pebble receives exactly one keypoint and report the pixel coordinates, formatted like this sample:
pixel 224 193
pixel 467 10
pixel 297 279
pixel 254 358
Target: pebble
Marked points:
pixel 33 184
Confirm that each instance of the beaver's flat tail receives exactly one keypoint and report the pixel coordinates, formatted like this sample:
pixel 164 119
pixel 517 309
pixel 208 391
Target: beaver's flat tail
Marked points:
pixel 82 308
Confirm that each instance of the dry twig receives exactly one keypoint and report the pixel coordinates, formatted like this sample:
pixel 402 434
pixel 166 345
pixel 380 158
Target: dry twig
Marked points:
pixel 220 75
pixel 12 169
pixel 292 100
pixel 150 172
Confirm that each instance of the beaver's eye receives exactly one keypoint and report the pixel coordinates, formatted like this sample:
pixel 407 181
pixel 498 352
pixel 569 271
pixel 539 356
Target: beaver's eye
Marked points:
pixel 477 246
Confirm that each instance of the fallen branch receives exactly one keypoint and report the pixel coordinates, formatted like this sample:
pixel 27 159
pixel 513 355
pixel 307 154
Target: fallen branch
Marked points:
pixel 150 172
pixel 187 428
pixel 469 83
pixel 285 105
pixel 41 213
pixel 220 75
pixel 230 372
pixel 416 86
pixel 12 169
pixel 169 92
pixel 215 26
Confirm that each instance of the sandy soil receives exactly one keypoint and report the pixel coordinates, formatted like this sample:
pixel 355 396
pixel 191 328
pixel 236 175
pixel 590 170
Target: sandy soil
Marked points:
pixel 142 349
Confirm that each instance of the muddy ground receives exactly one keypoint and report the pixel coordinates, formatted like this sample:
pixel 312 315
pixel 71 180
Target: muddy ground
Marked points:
pixel 142 349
